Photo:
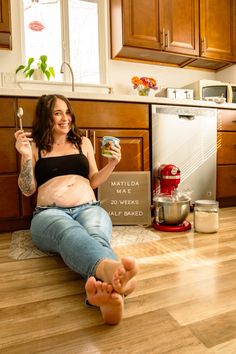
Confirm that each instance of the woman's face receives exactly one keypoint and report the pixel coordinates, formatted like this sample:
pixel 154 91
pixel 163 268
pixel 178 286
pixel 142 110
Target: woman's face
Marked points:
pixel 61 118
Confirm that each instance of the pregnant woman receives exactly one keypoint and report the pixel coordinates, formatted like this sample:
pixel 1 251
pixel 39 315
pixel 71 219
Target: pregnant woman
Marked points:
pixel 59 163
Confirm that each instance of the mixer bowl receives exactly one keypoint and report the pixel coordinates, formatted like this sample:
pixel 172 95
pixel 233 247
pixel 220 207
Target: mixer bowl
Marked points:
pixel 171 211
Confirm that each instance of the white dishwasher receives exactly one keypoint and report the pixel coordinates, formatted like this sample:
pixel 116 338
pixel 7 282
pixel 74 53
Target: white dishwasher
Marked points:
pixel 187 137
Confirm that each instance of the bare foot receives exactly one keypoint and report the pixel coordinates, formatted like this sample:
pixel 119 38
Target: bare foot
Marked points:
pixel 119 274
pixel 102 295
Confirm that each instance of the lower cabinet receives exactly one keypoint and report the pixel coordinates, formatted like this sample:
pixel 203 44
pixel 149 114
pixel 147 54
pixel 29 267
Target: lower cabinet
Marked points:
pixel 127 121
pixel 9 206
pixel 226 158
pixel 134 148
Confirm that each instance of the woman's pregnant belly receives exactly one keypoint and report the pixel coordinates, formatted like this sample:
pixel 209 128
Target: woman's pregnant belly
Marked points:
pixel 65 191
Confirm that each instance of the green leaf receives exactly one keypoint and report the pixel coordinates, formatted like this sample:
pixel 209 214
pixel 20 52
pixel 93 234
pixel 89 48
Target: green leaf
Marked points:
pixel 43 58
pixel 47 73
pixel 43 67
pixel 30 61
pixel 21 67
pixel 51 70
pixel 29 73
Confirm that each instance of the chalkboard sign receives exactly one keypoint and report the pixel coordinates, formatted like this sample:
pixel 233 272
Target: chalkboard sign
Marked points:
pixel 126 197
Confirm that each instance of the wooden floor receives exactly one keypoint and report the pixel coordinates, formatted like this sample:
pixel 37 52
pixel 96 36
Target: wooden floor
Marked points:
pixel 185 301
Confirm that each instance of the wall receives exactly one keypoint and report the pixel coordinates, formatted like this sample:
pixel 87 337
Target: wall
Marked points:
pixel 227 75
pixel 119 73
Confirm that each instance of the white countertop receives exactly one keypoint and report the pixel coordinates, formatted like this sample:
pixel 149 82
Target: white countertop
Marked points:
pixel 114 97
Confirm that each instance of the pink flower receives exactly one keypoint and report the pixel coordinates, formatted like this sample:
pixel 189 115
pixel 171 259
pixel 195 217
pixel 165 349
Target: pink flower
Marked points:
pixel 148 82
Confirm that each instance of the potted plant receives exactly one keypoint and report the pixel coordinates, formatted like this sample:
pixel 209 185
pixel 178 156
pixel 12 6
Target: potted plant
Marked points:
pixel 41 66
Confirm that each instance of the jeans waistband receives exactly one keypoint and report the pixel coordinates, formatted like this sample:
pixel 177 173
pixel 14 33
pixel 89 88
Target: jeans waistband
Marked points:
pixel 38 209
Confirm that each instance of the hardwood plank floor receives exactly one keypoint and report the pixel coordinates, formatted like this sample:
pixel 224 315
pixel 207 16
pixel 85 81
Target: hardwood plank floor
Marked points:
pixel 185 301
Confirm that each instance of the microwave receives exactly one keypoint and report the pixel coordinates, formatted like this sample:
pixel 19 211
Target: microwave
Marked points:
pixel 213 88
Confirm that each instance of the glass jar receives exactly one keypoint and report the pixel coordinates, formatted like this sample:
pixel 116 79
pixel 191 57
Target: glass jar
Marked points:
pixel 206 216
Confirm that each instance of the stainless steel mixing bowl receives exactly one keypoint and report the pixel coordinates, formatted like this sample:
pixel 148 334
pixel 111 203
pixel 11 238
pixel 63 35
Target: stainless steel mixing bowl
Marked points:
pixel 171 211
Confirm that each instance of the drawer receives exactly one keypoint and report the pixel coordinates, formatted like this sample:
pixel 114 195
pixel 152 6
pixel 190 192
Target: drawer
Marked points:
pixel 226 148
pixel 226 120
pixel 226 181
pixel 98 114
pixel 7 115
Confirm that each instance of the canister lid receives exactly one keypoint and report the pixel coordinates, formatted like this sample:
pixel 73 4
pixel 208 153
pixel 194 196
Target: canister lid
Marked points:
pixel 206 203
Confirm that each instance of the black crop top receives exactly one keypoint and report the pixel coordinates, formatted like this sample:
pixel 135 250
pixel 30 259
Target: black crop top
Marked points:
pixel 49 167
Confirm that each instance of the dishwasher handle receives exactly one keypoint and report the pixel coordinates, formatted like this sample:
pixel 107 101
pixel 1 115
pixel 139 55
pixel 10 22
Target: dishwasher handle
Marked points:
pixel 186 116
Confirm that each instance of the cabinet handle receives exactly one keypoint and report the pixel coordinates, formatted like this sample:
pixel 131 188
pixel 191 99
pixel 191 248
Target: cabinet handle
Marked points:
pixel 167 39
pixel 162 38
pixel 203 44
pixel 233 121
pixel 94 141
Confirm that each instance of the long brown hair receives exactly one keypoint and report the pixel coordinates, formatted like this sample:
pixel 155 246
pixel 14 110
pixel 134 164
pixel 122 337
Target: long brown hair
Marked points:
pixel 42 129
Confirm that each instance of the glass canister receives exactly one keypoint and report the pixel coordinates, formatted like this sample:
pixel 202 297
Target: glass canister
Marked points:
pixel 206 216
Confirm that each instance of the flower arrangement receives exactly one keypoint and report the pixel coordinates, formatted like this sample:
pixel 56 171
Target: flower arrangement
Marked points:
pixel 144 84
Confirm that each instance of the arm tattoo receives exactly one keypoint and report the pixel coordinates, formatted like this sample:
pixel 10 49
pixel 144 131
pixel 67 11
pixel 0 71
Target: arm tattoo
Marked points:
pixel 26 180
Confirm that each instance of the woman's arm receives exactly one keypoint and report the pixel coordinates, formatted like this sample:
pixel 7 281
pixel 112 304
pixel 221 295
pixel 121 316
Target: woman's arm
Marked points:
pixel 98 177
pixel 26 179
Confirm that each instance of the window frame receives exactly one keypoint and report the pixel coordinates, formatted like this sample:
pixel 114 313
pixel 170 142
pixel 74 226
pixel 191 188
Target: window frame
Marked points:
pixel 102 40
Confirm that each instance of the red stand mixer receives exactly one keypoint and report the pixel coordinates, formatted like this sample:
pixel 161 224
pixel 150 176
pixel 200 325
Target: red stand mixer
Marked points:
pixel 170 208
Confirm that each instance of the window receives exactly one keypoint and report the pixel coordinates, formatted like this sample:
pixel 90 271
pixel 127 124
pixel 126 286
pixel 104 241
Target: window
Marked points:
pixel 66 30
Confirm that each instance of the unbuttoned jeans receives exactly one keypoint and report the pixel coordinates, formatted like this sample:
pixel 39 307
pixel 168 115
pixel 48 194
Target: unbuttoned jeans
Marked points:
pixel 81 235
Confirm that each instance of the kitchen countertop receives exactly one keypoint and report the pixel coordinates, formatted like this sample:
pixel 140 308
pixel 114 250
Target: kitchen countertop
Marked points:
pixel 114 97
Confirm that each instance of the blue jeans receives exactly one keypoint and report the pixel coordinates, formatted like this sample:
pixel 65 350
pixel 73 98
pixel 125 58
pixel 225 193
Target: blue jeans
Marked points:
pixel 81 235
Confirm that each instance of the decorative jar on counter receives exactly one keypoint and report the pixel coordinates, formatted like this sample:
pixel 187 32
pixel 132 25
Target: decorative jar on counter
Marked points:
pixel 206 216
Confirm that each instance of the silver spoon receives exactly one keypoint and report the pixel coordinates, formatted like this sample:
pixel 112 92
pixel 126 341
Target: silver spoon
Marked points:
pixel 20 113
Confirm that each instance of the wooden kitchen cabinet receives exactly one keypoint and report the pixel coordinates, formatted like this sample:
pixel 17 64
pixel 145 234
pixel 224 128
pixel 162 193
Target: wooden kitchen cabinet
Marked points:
pixel 8 161
pixel 127 121
pixel 179 26
pixel 5 25
pixel 226 157
pixel 194 33
pixel 12 206
pixel 150 32
pixel 134 147
pixel 217 34
pixel 217 29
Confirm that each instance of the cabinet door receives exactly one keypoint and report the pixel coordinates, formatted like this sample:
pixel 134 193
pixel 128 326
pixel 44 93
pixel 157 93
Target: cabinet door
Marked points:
pixel 217 26
pixel 134 147
pixel 8 161
pixel 180 25
pixel 226 181
pixel 141 23
pixel 226 152
pixel 9 205
pixel 5 24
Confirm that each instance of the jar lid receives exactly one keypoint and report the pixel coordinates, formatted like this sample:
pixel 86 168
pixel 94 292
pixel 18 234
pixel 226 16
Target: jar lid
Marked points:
pixel 205 202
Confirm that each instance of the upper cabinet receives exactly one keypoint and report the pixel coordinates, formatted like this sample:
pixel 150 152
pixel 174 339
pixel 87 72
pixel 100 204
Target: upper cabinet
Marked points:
pixel 198 33
pixel 152 32
pixel 217 34
pixel 217 29
pixel 5 25
pixel 179 26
